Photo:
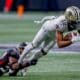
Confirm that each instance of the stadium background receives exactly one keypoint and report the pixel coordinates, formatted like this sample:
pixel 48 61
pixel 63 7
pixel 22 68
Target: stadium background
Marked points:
pixel 59 64
pixel 42 5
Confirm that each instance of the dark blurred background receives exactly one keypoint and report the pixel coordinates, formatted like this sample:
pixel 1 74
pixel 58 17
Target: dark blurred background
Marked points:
pixel 37 5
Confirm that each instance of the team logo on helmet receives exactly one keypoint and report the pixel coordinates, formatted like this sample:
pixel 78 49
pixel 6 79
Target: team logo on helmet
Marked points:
pixel 72 13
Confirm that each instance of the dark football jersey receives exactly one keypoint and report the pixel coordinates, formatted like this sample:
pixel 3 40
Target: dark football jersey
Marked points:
pixel 4 59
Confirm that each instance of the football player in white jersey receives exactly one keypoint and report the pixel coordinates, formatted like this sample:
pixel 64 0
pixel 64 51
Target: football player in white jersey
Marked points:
pixel 51 30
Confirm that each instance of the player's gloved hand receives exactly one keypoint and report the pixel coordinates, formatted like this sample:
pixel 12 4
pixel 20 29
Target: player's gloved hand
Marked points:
pixel 75 39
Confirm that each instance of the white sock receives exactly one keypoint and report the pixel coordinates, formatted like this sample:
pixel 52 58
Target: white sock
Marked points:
pixel 36 56
pixel 27 49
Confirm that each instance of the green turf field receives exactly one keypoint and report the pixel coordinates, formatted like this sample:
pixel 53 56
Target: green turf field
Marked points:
pixel 51 67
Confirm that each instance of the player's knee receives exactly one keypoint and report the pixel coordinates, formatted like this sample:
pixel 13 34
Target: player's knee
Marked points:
pixel 34 62
pixel 35 44
pixel 44 53
pixel 29 46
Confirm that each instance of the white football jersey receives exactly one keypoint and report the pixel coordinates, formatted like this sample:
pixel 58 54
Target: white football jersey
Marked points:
pixel 57 24
pixel 49 28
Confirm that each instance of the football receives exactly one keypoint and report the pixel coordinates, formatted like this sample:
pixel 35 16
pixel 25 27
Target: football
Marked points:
pixel 67 37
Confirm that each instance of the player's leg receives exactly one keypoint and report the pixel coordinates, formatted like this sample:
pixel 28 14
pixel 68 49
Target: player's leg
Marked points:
pixel 35 43
pixel 48 44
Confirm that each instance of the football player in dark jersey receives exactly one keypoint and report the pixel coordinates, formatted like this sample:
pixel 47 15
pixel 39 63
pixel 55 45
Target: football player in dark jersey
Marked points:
pixel 10 57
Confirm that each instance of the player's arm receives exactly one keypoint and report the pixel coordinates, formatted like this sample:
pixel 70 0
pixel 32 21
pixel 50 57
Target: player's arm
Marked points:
pixel 60 40
pixel 21 66
pixel 14 70
pixel 45 19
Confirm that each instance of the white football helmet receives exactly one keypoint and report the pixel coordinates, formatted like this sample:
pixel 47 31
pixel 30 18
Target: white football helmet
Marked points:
pixel 72 13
